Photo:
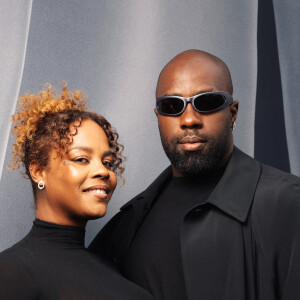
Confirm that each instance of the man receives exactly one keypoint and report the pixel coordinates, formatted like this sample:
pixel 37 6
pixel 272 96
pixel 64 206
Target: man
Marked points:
pixel 217 224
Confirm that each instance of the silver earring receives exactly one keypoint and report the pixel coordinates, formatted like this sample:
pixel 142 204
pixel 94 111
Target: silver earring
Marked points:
pixel 41 184
pixel 233 125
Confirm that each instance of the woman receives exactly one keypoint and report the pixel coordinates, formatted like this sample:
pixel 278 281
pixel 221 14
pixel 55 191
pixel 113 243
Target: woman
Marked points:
pixel 71 157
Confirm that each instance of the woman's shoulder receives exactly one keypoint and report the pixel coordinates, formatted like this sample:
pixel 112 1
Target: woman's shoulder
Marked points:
pixel 15 278
pixel 12 258
pixel 17 259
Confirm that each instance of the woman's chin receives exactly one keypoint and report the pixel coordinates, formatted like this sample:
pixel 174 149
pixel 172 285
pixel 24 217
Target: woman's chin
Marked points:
pixel 98 213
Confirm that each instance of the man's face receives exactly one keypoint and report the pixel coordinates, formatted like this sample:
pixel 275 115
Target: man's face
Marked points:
pixel 195 143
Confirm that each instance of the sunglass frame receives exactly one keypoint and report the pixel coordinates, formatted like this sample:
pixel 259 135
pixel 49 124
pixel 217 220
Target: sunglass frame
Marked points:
pixel 186 100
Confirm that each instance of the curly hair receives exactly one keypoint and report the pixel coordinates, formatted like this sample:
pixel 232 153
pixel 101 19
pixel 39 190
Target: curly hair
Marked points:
pixel 42 122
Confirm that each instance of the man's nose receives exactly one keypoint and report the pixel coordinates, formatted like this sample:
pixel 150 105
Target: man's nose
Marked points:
pixel 99 170
pixel 190 118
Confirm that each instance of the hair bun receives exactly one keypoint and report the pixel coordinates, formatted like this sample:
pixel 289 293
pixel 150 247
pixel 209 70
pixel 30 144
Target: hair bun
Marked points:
pixel 34 107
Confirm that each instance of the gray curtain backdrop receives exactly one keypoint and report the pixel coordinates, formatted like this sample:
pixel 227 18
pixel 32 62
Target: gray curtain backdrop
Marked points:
pixel 14 27
pixel 114 50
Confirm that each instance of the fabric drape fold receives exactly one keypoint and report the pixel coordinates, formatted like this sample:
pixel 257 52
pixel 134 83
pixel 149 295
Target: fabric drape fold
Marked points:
pixel 288 39
pixel 14 24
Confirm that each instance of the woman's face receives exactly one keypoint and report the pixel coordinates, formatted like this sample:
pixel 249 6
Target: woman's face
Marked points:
pixel 78 186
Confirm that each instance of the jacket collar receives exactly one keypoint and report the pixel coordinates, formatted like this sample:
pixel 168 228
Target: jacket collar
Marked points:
pixel 233 194
pixel 235 190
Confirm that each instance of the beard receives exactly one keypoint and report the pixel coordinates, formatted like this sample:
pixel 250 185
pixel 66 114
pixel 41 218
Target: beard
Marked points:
pixel 200 162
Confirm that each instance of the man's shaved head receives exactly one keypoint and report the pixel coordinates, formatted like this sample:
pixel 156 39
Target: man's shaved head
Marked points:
pixel 196 61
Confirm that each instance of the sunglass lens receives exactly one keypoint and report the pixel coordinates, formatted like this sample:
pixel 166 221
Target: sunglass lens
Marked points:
pixel 210 102
pixel 170 106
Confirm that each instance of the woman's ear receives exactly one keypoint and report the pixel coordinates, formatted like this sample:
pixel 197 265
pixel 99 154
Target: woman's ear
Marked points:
pixel 36 171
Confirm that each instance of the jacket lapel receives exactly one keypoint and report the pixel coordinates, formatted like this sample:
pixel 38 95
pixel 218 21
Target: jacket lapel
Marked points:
pixel 234 192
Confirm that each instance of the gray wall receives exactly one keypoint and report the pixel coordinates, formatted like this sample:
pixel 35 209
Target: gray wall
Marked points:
pixel 114 50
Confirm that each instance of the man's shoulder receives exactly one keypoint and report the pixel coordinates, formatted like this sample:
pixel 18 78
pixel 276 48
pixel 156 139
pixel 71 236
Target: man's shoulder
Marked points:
pixel 272 174
pixel 278 183
pixel 277 195
pixel 151 191
pixel 269 177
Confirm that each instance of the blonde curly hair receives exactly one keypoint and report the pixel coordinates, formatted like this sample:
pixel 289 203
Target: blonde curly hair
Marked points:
pixel 42 123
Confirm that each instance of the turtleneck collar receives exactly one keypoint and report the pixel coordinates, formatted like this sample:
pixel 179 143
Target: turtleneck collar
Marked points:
pixel 64 236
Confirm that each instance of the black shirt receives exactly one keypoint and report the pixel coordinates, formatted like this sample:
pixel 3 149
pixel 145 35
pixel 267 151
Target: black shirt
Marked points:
pixel 51 262
pixel 154 258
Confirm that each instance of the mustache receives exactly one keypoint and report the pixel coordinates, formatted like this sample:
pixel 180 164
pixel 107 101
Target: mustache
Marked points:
pixel 190 133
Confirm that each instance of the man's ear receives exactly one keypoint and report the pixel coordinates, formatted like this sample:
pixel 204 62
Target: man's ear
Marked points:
pixel 234 107
pixel 155 110
pixel 37 172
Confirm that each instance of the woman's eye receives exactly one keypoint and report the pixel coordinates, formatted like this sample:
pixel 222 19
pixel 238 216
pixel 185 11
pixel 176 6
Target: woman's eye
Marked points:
pixel 108 164
pixel 81 160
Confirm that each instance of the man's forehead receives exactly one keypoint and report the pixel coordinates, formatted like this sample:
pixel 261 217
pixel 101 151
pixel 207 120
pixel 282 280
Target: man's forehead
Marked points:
pixel 192 71
pixel 192 60
pixel 188 80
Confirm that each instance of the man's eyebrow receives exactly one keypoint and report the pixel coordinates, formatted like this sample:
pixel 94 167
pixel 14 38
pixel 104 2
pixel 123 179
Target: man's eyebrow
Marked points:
pixel 197 93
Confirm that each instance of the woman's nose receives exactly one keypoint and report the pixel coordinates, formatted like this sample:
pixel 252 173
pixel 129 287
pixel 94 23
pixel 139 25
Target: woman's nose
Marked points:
pixel 99 170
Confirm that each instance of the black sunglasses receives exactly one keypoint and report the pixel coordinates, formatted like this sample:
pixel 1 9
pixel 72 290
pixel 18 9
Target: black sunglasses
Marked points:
pixel 203 103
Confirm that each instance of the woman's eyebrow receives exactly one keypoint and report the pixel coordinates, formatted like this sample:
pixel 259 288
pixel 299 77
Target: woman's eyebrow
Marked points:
pixel 90 150
pixel 107 153
pixel 87 149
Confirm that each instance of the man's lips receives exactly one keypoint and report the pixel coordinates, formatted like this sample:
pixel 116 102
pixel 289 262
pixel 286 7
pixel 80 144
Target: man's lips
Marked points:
pixel 192 143
pixel 191 140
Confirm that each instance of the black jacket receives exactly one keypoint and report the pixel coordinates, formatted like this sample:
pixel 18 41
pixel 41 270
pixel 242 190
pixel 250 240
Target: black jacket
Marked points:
pixel 242 243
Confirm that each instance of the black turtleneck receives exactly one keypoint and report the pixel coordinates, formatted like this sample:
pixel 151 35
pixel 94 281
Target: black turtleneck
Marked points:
pixel 154 258
pixel 51 262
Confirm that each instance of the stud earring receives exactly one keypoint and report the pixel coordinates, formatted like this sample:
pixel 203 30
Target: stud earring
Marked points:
pixel 41 184
pixel 233 125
